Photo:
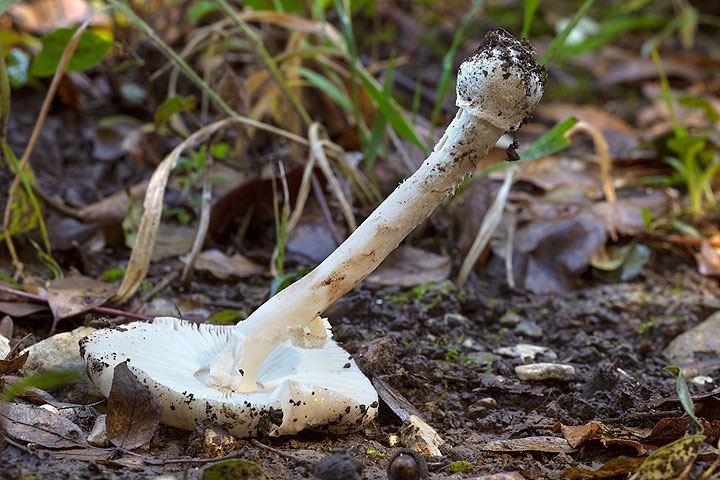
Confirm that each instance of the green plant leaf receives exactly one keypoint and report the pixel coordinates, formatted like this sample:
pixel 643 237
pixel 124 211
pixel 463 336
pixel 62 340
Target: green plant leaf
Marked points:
pixel 683 393
pixel 326 86
pixel 553 141
pixel 283 281
pixel 228 317
pixel 170 107
pixel 557 44
pixel 199 9
pixel 697 102
pixel 670 460
pixel 528 15
pixel 234 470
pixel 90 51
pixel 18 66
pixel 391 110
pixel 42 380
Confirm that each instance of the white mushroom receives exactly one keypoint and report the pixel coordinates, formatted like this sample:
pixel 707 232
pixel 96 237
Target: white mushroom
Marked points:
pixel 279 371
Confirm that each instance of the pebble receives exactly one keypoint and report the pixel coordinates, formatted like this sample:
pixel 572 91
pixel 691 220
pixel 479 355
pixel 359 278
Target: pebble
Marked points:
pixel 421 437
pixel 510 319
pixel 4 347
pixel 545 371
pixel 700 342
pixel 529 329
pixel 61 352
pixel 526 351
pixel 338 466
pixel 98 436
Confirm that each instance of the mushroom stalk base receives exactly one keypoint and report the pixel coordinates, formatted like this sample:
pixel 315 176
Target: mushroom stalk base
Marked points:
pixel 466 141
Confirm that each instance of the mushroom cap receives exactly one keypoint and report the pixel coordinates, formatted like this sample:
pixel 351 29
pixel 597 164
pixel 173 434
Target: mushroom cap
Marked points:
pixel 500 82
pixel 317 388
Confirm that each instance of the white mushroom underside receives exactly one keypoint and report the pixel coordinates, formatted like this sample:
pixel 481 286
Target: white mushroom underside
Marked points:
pixel 317 388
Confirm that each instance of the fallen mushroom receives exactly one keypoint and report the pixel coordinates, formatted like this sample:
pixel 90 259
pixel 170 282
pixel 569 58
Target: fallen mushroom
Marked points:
pixel 279 371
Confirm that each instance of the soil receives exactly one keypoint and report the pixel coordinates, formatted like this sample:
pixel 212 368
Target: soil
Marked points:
pixel 438 352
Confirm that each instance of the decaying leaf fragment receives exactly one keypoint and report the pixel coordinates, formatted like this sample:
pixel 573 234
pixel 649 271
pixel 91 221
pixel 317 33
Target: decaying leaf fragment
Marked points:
pixel 671 460
pixel 133 412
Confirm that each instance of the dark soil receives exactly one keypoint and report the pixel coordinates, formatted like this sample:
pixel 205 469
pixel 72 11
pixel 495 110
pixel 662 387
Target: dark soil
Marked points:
pixel 437 352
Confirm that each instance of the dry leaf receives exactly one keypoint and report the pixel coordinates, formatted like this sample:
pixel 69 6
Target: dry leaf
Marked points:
pixel 616 466
pixel 222 266
pixel 21 309
pixel 671 460
pixel 12 366
pixel 530 444
pixel 409 267
pixel 32 424
pixel 73 295
pixel 133 413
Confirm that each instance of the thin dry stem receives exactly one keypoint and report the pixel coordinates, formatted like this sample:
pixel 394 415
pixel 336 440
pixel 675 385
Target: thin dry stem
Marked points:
pixel 324 164
pixel 487 228
pixel 602 152
pixel 203 223
pixel 25 160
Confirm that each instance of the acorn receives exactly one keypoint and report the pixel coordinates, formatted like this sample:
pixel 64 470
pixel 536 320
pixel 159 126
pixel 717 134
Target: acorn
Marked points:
pixel 407 464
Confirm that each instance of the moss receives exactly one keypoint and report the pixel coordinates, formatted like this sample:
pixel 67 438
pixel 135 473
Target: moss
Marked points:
pixel 459 467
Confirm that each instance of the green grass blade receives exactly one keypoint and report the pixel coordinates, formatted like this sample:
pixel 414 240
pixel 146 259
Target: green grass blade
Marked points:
pixel 556 45
pixel 448 60
pixel 326 86
pixel 529 14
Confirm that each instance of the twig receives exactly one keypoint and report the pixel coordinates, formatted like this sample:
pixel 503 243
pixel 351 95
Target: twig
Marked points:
pixel 317 190
pixel 104 310
pixel 229 456
pixel 160 286
pixel 277 451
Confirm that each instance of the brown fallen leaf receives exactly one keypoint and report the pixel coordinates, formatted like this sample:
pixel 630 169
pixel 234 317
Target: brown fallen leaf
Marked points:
pixel 223 266
pixel 530 444
pixel 12 366
pixel 21 309
pixel 32 424
pixel 409 267
pixel 616 466
pixel 576 436
pixel 672 460
pixel 312 240
pixel 133 413
pixel 501 476
pixel 73 295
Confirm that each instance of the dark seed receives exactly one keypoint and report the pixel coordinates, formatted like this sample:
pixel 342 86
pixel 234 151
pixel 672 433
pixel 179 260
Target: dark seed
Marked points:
pixel 407 464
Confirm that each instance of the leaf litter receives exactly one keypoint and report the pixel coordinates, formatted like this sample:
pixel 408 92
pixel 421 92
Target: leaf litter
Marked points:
pixel 441 358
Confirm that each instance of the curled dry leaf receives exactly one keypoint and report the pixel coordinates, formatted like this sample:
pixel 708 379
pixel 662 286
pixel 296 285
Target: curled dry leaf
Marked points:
pixel 12 366
pixel 133 412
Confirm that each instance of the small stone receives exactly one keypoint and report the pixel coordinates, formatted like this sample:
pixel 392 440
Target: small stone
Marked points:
pixel 526 351
pixel 98 436
pixel 699 345
pixel 393 440
pixel 529 329
pixel 487 402
pixel 6 328
pixel 420 436
pixel 217 443
pixel 4 347
pixel 338 466
pixel 407 464
pixel 62 352
pixel 510 319
pixel 545 371
pixel 701 380
pixel 50 408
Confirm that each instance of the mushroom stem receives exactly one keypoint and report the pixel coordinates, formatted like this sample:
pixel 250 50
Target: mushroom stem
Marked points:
pixel 497 87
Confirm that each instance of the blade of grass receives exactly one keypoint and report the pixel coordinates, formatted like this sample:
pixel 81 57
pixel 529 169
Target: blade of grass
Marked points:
pixel 556 45
pixel 448 60
pixel 267 58
pixel 553 141
pixel 139 23
pixel 327 86
pixel 528 16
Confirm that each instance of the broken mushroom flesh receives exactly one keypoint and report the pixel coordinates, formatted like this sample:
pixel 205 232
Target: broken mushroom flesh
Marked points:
pixel 279 371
